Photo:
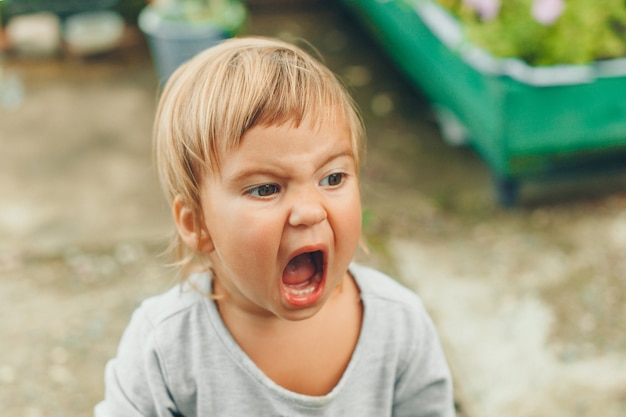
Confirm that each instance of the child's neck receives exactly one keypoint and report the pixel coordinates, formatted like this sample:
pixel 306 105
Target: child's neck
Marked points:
pixel 307 356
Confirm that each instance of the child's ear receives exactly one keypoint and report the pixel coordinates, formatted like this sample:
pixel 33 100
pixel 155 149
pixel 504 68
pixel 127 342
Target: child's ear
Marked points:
pixel 190 226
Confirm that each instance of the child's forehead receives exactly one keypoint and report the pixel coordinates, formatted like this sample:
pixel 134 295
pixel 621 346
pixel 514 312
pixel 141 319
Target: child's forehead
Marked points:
pixel 316 121
pixel 335 129
pixel 285 151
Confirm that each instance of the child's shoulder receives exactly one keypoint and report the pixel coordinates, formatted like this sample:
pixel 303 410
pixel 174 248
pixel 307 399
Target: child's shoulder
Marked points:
pixel 180 300
pixel 376 284
pixel 388 300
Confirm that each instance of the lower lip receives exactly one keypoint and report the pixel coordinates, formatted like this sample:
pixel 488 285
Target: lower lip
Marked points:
pixel 305 300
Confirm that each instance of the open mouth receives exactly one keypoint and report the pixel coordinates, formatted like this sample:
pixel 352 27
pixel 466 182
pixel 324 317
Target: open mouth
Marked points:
pixel 302 277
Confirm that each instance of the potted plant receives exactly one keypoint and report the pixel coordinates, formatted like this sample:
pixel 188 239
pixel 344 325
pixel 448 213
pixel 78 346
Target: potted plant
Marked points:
pixel 544 32
pixel 178 29
pixel 535 86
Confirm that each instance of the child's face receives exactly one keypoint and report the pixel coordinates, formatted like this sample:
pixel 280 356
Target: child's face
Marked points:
pixel 284 218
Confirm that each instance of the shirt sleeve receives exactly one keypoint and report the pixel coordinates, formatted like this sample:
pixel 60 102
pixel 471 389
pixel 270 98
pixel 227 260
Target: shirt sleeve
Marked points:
pixel 424 385
pixel 136 379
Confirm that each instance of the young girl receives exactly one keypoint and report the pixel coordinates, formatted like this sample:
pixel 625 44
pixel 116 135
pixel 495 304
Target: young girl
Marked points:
pixel 258 149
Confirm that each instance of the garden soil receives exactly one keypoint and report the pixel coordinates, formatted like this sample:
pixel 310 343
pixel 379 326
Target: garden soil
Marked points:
pixel 530 302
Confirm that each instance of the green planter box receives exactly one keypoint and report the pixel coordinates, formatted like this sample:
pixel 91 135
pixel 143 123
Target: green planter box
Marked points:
pixel 525 122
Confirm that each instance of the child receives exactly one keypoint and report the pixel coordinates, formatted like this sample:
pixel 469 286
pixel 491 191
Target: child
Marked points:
pixel 258 149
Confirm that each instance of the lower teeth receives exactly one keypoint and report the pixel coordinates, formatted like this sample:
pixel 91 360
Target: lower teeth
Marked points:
pixel 305 291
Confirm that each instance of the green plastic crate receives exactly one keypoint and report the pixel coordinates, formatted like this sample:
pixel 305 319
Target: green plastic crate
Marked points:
pixel 525 122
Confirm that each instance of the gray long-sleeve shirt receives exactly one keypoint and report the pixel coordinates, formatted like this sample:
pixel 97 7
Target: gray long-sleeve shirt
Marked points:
pixel 176 358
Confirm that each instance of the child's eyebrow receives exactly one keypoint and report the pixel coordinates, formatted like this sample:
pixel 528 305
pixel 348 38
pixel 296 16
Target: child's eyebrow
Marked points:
pixel 253 171
pixel 340 154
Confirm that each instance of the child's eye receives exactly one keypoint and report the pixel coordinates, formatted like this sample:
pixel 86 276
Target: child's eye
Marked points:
pixel 333 180
pixel 264 190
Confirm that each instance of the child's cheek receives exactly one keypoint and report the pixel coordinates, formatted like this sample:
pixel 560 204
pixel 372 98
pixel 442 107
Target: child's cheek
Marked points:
pixel 258 230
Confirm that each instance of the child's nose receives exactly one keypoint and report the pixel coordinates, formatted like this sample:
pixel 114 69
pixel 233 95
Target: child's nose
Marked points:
pixel 307 213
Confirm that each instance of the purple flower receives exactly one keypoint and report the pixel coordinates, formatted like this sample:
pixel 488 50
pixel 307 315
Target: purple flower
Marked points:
pixel 487 9
pixel 547 12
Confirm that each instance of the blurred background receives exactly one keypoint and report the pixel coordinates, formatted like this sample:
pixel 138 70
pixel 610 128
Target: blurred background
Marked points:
pixel 525 276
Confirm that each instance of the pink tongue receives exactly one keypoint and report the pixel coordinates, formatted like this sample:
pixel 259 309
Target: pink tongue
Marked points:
pixel 299 270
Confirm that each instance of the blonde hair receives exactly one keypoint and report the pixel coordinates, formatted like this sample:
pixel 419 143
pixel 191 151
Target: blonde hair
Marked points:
pixel 211 101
